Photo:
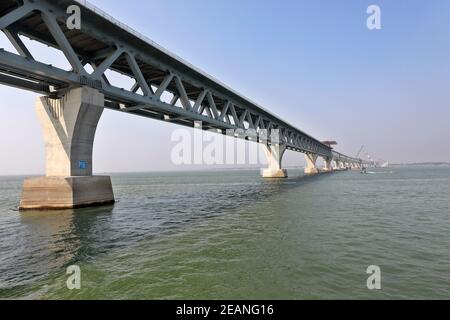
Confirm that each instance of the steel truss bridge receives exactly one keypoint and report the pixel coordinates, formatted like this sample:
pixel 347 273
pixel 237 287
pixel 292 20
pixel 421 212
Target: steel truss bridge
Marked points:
pixel 106 44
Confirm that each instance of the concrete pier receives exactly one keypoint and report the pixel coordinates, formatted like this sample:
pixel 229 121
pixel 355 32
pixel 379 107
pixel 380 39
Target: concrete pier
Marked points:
pixel 274 154
pixel 69 125
pixel 311 159
pixel 328 167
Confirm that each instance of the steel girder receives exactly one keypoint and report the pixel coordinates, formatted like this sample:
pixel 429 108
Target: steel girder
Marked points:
pixel 196 96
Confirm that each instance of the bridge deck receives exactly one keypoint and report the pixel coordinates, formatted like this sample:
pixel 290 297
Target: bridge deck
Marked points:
pixel 166 87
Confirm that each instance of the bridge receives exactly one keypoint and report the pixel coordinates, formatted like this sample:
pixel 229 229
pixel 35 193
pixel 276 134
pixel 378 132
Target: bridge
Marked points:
pixel 166 88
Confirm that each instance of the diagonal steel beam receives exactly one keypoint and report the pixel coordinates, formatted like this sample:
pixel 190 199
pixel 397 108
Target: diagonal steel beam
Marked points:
pixel 138 75
pixel 101 69
pixel 174 100
pixel 250 120
pixel 163 87
pixel 198 107
pixel 260 123
pixel 208 112
pixel 182 93
pixel 243 117
pixel 104 78
pixel 212 105
pixel 15 15
pixel 234 115
pixel 18 44
pixel 223 114
pixel 64 45
pixel 135 87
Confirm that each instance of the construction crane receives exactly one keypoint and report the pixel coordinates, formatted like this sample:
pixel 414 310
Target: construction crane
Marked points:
pixel 381 163
pixel 359 152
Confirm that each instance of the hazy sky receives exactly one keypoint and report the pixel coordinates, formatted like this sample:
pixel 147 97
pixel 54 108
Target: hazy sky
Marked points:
pixel 314 63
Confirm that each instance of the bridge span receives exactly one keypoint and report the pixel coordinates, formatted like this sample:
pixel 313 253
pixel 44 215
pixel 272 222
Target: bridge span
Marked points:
pixel 165 88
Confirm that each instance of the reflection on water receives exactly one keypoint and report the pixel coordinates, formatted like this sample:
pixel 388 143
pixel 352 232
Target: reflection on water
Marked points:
pixel 233 235
pixel 49 240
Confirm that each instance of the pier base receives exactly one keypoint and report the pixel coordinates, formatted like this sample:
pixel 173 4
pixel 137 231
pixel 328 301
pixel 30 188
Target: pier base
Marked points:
pixel 55 193
pixel 268 173
pixel 311 170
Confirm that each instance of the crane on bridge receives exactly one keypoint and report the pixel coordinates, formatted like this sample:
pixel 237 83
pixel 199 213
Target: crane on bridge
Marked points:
pixel 370 158
pixel 359 152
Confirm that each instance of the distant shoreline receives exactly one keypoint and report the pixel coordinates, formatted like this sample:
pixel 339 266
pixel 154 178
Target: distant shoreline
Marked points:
pixel 420 164
pixel 187 170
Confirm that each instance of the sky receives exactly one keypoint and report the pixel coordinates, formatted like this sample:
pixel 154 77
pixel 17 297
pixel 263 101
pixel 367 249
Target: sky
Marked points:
pixel 313 63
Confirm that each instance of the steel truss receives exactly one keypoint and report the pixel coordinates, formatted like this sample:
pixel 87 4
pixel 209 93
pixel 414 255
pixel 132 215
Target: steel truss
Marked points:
pixel 105 44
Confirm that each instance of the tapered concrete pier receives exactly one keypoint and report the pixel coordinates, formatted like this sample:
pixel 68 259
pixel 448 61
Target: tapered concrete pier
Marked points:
pixel 311 160
pixel 274 154
pixel 69 125
pixel 328 167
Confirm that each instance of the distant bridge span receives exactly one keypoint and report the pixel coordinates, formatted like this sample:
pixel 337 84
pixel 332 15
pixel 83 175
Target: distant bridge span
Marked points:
pixel 166 88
